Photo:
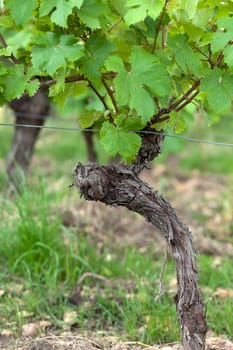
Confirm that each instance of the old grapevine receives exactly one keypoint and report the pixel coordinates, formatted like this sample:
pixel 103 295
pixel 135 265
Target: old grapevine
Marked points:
pixel 146 62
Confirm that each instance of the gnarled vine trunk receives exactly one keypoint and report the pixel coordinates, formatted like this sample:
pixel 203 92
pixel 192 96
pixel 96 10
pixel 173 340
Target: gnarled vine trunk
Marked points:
pixel 30 111
pixel 120 185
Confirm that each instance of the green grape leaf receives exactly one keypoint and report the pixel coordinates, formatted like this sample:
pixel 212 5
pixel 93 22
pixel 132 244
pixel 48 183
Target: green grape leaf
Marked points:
pixel 117 140
pixel 129 123
pixel 6 21
pixel 97 49
pixel 222 37
pixel 228 55
pixel 63 9
pixel 218 86
pixel 202 17
pixel 136 88
pixel 191 8
pixel 87 117
pixel 187 59
pixel 20 12
pixel 3 70
pixel 2 99
pixel 109 138
pixel 52 52
pixel 194 33
pixel 129 145
pixel 139 10
pixel 180 125
pixel 69 89
pixel 6 51
pixel 119 6
pixel 91 11
pixel 20 40
pixel 32 86
pixel 12 90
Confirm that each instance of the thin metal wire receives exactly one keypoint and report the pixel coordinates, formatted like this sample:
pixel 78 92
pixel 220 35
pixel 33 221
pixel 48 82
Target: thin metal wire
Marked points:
pixel 136 131
pixel 185 138
pixel 49 127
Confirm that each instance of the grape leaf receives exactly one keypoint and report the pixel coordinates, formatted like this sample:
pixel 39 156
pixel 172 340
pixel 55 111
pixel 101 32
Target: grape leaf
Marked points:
pixel 222 37
pixel 87 117
pixel 32 86
pixel 186 58
pixel 139 10
pixel 218 85
pixel 191 8
pixel 128 123
pixel 3 70
pixel 12 90
pixel 97 49
pixel 202 17
pixel 52 52
pixel 117 140
pixel 145 79
pixel 6 51
pixel 20 12
pixel 91 11
pixel 20 40
pixel 179 125
pixel 6 21
pixel 66 90
pixel 228 55
pixel 63 9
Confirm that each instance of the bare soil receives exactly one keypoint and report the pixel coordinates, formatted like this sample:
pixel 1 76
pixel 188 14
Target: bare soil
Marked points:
pixel 90 342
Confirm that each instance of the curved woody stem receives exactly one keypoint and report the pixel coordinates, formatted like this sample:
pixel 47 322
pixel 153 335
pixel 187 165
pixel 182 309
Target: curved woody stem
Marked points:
pixel 120 185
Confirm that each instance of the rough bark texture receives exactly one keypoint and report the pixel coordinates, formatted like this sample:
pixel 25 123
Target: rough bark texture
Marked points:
pixel 150 149
pixel 119 185
pixel 29 111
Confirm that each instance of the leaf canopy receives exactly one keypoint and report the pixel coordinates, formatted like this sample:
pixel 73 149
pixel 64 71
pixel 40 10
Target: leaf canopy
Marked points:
pixel 145 61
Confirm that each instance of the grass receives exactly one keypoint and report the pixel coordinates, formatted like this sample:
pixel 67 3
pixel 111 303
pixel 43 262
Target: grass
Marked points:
pixel 42 260
pixel 45 260
pixel 47 268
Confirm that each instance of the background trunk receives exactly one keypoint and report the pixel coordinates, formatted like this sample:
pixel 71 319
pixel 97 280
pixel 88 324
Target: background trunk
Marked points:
pixel 120 185
pixel 89 140
pixel 30 111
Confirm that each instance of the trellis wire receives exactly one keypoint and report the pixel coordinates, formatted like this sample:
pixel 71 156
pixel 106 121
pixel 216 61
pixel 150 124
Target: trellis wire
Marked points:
pixel 191 139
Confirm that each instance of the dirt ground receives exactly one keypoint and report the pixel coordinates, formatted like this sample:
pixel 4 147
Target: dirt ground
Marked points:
pixel 77 342
pixel 204 202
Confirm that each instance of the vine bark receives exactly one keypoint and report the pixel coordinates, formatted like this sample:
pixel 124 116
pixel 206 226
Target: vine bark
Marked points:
pixel 120 185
